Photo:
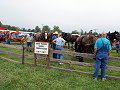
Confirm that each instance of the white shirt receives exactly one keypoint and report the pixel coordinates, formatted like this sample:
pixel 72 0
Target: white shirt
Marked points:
pixel 29 38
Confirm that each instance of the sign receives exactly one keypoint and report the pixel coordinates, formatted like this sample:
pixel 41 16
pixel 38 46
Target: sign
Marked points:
pixel 41 48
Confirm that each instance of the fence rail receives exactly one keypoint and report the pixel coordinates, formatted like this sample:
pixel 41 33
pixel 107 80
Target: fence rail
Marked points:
pixel 63 61
pixel 61 52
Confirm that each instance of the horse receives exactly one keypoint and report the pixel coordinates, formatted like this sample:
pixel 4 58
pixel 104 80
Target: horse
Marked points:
pixel 73 39
pixel 67 38
pixel 85 44
pixel 42 37
pixel 113 35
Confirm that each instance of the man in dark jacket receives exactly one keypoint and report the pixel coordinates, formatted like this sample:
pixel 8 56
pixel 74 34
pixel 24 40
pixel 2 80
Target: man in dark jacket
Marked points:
pixel 55 35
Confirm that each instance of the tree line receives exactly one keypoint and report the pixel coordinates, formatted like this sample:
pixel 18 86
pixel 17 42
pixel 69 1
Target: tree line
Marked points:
pixel 46 28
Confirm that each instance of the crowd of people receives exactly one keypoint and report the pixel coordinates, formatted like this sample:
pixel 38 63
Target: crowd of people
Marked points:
pixel 8 37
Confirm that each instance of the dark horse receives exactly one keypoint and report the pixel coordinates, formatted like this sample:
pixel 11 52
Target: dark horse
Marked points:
pixel 67 37
pixel 85 44
pixel 73 39
pixel 42 37
pixel 114 35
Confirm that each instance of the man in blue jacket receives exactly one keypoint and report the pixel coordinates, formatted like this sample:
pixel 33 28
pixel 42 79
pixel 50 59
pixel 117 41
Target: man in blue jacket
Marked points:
pixel 102 49
pixel 55 35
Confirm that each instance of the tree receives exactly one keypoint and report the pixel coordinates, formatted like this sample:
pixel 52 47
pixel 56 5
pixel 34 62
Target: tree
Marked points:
pixel 82 32
pixel 37 29
pixel 33 30
pixel 9 27
pixel 56 28
pixel 0 24
pixel 95 33
pixel 85 33
pixel 75 32
pixel 23 29
pixel 29 30
pixel 46 28
pixel 15 28
pixel 90 32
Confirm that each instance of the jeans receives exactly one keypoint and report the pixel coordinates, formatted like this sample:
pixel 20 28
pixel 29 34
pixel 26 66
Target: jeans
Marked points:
pixel 55 55
pixel 117 47
pixel 54 48
pixel 29 44
pixel 59 56
pixel 7 41
pixel 103 63
pixel 16 36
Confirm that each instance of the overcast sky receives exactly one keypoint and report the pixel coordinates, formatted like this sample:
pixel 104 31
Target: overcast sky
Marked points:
pixel 69 15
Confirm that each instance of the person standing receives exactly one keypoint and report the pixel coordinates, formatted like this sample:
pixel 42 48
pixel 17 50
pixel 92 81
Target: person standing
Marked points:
pixel 117 44
pixel 29 40
pixel 16 34
pixel 8 38
pixel 102 49
pixel 59 45
pixel 55 35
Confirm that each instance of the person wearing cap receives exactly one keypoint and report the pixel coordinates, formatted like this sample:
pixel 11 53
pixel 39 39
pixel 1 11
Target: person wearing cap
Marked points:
pixel 55 35
pixel 117 45
pixel 102 49
pixel 59 45
pixel 16 35
pixel 29 40
pixel 8 38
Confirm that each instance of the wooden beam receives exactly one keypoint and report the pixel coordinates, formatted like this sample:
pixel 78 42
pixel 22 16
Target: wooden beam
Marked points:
pixel 63 61
pixel 63 52
pixel 82 54
pixel 10 53
pixel 11 46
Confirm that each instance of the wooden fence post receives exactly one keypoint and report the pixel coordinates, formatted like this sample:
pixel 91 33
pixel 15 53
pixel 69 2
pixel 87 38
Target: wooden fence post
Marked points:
pixel 23 52
pixel 48 59
pixel 35 57
pixel 68 65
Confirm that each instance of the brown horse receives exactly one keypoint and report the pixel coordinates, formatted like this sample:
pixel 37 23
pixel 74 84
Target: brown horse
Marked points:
pixel 85 44
pixel 42 37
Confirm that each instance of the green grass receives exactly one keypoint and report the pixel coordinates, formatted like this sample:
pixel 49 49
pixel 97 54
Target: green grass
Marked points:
pixel 26 77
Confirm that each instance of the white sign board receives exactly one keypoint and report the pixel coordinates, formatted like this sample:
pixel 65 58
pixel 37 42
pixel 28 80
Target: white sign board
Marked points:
pixel 41 48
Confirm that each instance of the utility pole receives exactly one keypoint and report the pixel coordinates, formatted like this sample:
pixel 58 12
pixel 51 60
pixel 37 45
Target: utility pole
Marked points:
pixel 95 30
pixel 42 27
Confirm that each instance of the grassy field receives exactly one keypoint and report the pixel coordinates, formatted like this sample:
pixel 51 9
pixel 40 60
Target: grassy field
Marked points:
pixel 26 77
